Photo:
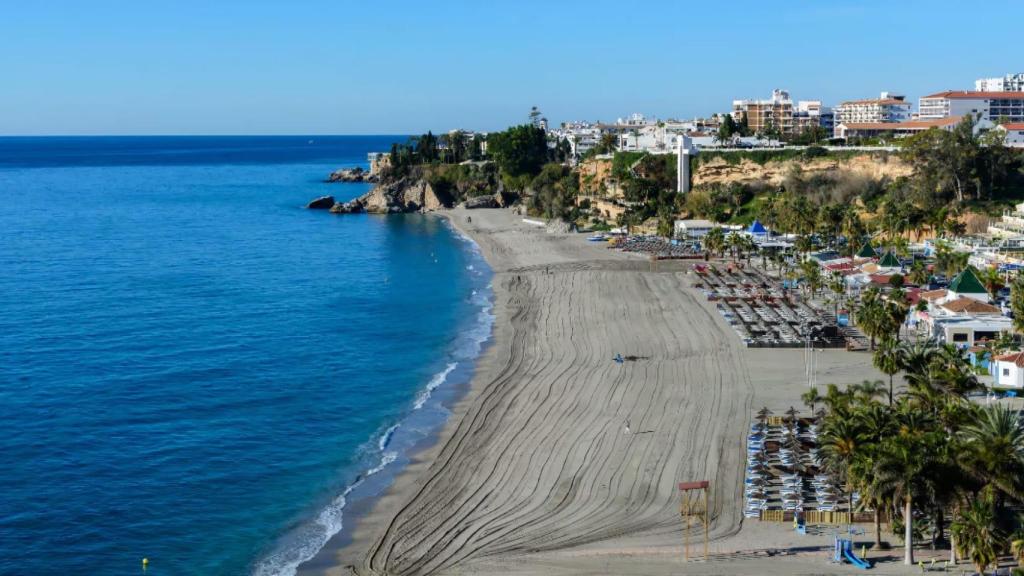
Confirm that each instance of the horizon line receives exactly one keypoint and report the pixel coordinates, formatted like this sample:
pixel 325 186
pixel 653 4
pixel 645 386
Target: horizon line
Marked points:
pixel 225 135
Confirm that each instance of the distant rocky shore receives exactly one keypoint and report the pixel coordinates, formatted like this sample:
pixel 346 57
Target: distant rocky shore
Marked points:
pixel 408 194
pixel 356 174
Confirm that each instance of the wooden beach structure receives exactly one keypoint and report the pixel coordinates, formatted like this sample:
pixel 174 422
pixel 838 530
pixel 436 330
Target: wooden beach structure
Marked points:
pixel 692 505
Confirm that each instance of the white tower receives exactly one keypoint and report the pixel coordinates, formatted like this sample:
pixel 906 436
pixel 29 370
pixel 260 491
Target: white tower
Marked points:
pixel 683 164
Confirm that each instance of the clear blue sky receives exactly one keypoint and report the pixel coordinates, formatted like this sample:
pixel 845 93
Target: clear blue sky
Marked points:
pixel 392 66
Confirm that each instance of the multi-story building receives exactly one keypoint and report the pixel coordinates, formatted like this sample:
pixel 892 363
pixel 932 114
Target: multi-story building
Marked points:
pixel 810 113
pixel 895 129
pixel 762 115
pixel 992 106
pixel 1008 83
pixel 886 108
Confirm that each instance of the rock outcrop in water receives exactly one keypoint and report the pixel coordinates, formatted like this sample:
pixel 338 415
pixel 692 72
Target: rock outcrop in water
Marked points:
pixel 356 174
pixel 321 203
pixel 397 197
pixel 423 189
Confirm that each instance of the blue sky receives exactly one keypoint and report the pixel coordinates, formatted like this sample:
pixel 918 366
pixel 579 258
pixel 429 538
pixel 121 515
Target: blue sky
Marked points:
pixel 390 67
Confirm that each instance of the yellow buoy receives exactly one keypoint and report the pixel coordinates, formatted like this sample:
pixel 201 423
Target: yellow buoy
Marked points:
pixel 145 563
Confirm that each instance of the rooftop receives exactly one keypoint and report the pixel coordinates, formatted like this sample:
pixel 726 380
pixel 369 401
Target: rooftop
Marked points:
pixel 970 306
pixel 878 101
pixel 931 295
pixel 967 282
pixel 973 94
pixel 1015 357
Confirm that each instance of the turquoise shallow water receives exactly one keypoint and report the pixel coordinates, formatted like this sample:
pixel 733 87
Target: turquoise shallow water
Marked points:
pixel 197 370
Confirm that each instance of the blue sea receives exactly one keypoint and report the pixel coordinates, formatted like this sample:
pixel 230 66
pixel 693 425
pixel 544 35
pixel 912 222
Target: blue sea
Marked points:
pixel 195 369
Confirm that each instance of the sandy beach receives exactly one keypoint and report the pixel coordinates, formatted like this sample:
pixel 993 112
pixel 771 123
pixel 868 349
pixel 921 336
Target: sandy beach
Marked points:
pixel 560 460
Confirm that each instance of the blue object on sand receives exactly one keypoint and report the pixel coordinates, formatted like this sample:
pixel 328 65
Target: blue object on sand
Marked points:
pixel 618 358
pixel 844 550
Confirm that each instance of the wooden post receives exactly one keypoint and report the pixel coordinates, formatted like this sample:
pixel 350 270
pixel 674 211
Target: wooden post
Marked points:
pixel 706 521
pixel 686 509
pixel 686 527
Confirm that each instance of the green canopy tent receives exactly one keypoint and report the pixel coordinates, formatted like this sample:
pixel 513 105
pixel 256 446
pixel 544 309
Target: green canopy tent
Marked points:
pixel 867 251
pixel 889 260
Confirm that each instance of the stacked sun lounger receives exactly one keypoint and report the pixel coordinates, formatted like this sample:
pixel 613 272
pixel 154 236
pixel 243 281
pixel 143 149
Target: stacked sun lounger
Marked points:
pixel 755 484
pixel 825 493
pixel 792 492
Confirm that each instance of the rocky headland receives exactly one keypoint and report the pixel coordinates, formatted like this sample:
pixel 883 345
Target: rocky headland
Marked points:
pixel 356 174
pixel 418 191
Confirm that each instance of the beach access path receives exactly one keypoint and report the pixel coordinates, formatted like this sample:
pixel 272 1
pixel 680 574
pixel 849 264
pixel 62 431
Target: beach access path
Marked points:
pixel 561 460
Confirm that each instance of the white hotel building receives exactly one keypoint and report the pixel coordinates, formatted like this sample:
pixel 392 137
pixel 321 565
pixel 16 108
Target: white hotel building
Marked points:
pixel 886 108
pixel 992 106
pixel 1008 83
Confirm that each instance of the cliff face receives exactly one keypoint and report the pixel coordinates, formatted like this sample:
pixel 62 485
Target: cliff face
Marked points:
pixel 596 179
pixel 718 171
pixel 396 197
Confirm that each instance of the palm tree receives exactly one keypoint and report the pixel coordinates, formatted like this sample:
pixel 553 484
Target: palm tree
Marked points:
pixel 1017 303
pixel 991 279
pixel 812 275
pixel 902 461
pixel 976 534
pixel 888 359
pixel 837 284
pixel 893 316
pixel 918 273
pixel 810 398
pixel 714 240
pixel 840 444
pixel 994 449
pixel 876 425
pixel 1017 547
pixel 867 391
pixel 870 315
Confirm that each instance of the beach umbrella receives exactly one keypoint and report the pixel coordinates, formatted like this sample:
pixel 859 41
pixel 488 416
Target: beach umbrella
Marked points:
pixel 764 413
pixel 792 413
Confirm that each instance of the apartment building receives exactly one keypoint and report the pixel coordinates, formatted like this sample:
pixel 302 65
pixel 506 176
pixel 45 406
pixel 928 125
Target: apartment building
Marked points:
pixel 887 107
pixel 895 129
pixel 811 113
pixel 1008 83
pixel 992 106
pixel 776 112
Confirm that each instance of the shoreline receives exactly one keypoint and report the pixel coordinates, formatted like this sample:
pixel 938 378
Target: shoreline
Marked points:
pixel 449 396
pixel 395 446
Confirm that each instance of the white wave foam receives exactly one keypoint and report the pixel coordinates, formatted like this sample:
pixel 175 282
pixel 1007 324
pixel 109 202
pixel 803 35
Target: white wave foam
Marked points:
pixel 328 523
pixel 309 540
pixel 385 438
pixel 436 381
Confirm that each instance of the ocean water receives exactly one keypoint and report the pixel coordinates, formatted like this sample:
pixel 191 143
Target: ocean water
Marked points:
pixel 195 369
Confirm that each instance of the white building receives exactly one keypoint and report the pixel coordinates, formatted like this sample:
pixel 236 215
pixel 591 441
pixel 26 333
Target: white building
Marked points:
pixel 1014 134
pixel 1008 371
pixel 900 129
pixel 886 108
pixel 693 228
pixel 969 331
pixel 992 106
pixel 1008 83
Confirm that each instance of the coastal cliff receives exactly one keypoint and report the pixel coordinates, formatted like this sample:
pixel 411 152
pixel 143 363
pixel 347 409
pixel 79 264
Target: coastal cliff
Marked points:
pixel 401 196
pixel 423 189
